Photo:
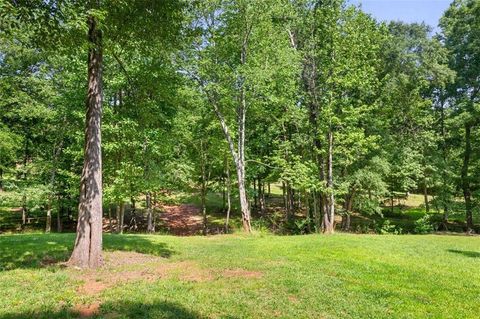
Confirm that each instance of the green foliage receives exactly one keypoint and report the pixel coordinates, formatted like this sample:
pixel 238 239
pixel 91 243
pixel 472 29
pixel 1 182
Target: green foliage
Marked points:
pixel 423 225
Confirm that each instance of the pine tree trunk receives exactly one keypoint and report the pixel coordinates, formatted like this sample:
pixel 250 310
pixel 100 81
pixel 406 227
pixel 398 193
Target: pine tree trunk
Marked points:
pixel 87 251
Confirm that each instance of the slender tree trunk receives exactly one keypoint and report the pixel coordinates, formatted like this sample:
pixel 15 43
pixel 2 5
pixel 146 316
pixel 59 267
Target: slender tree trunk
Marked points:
pixel 238 154
pixel 56 154
pixel 316 213
pixel 48 226
pixel 229 193
pixel 467 194
pixel 224 194
pixel 204 208
pixel 348 207
pixel 308 208
pixel 110 223
pixel 148 203
pixel 59 218
pixel 243 199
pixel 329 219
pixel 241 168
pixel 117 213
pixel 87 251
pixel 445 195
pixel 262 198
pixel 255 195
pixel 122 217
pixel 425 195
pixel 24 209
pixel 1 179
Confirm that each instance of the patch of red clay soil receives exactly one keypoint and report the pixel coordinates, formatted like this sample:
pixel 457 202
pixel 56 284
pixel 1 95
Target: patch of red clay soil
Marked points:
pixel 182 220
pixel 85 311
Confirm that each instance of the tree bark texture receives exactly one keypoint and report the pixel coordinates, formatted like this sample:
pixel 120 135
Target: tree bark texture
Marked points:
pixel 87 251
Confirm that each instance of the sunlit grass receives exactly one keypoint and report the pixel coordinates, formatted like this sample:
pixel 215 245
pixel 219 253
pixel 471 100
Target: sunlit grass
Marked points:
pixel 340 276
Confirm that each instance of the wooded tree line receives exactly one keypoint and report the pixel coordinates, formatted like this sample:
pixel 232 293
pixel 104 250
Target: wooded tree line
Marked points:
pixel 129 98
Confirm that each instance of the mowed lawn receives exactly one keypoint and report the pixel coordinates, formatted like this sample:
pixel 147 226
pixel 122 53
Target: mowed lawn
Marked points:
pixel 236 276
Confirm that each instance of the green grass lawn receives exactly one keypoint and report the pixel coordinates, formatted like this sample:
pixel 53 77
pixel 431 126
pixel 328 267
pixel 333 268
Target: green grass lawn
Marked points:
pixel 235 276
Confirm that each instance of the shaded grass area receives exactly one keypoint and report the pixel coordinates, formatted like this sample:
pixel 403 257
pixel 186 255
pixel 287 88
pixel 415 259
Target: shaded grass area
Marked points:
pixel 340 276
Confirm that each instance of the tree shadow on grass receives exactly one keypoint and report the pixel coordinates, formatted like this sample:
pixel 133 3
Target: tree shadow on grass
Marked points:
pixel 41 250
pixel 163 309
pixel 471 254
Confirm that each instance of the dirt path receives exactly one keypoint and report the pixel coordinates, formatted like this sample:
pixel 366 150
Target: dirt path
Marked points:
pixel 181 220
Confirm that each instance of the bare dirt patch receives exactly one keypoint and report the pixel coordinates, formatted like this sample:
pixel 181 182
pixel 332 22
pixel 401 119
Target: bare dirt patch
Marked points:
pixel 182 220
pixel 121 258
pixel 123 267
pixel 85 311
pixel 242 273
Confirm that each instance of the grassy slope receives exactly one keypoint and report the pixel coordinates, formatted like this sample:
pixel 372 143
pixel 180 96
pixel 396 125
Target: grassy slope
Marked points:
pixel 340 276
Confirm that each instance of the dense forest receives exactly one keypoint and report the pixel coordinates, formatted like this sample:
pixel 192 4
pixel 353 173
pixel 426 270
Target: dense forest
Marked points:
pixel 132 103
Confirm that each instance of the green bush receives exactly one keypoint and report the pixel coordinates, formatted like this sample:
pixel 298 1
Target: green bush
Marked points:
pixel 423 225
pixel 387 228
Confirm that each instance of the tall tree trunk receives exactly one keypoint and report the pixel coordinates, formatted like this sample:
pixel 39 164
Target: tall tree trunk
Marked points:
pixel 255 195
pixel 110 223
pixel 87 251
pixel 56 154
pixel 121 217
pixel 48 226
pixel 238 153
pixel 445 164
pixel 24 209
pixel 329 219
pixel 59 215
pixel 204 208
pixel 467 194
pixel 244 206
pixel 59 219
pixel 316 212
pixel 425 195
pixel 148 203
pixel 1 179
pixel 229 204
pixel 241 167
pixel 261 188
